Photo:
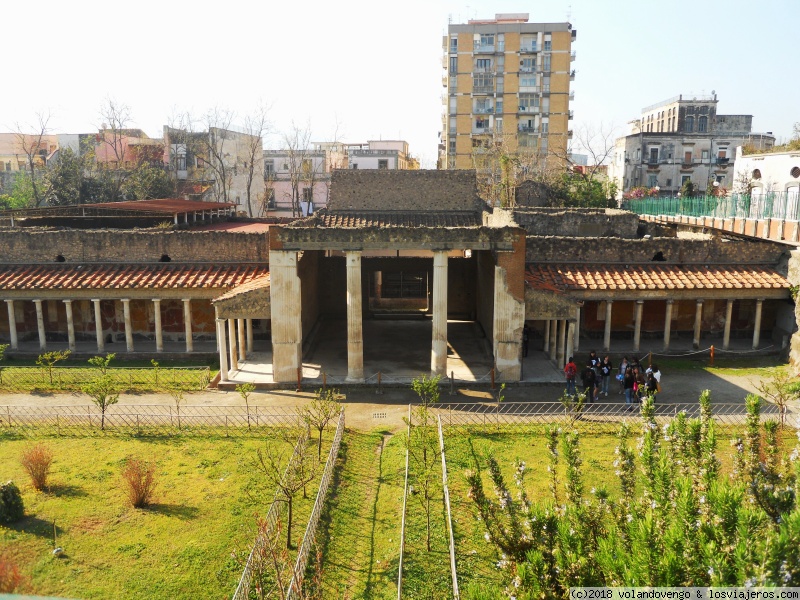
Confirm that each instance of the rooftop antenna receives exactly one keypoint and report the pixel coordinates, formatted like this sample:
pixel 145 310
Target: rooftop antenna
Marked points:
pixel 569 13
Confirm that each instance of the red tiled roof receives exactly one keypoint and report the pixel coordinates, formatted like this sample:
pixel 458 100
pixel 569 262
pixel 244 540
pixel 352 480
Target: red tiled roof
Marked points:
pixel 396 219
pixel 126 276
pixel 165 205
pixel 575 277
pixel 235 226
pixel 259 283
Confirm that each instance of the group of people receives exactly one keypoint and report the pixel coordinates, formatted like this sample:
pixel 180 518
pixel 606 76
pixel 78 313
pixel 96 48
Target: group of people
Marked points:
pixel 635 381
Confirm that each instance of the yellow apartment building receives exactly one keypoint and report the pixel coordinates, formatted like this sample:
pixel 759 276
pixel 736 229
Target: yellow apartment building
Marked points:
pixel 507 90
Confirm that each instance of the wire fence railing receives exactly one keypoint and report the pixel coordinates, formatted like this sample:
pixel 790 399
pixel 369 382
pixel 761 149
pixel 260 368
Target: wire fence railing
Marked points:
pixel 448 514
pixel 295 588
pixel 26 379
pixel 595 417
pixel 144 420
pixel 268 528
pixel 766 205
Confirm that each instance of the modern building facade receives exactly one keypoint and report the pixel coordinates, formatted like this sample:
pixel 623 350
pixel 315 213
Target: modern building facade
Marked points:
pixel 507 85
pixel 682 139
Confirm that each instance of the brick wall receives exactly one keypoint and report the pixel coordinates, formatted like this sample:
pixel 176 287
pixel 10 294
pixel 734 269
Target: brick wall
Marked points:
pixel 81 246
pixel 674 250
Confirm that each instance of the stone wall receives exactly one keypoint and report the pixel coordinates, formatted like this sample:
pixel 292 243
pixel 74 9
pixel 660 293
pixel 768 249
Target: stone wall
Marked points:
pixel 382 190
pixel 578 222
pixel 82 246
pixel 674 250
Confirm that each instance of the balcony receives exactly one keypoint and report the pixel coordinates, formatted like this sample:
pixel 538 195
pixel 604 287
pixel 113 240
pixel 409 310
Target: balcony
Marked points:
pixel 483 110
pixel 570 115
pixel 481 130
pixel 527 69
pixel 528 110
pixel 484 49
pixel 722 161
pixel 572 56
pixel 572 96
pixel 483 70
pixel 483 89
pixel 527 129
pixel 527 49
pixel 572 75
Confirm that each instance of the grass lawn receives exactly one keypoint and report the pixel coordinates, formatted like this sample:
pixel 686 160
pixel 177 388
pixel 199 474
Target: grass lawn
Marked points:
pixel 476 559
pixel 181 547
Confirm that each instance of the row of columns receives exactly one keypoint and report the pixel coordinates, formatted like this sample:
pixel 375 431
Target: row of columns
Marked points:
pixel 560 337
pixel 698 320
pixel 240 334
pixel 101 345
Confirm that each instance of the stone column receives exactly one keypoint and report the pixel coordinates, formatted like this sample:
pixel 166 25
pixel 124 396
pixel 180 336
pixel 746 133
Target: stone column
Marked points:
pixel 242 336
pixel 126 310
pixel 757 328
pixel 159 331
pixel 553 338
pixel 667 323
pixel 637 324
pixel 378 284
pixel 571 337
pixel 223 350
pixel 234 354
pixel 577 327
pixel 12 325
pixel 507 324
pixel 187 323
pixel 439 346
pixel 98 326
pixel 607 332
pixel 70 325
pixel 546 346
pixel 355 340
pixel 698 321
pixel 562 337
pixel 249 323
pixel 40 325
pixel 726 336
pixel 285 297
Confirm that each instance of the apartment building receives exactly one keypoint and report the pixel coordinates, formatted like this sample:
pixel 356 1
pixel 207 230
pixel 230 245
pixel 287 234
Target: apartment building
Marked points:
pixel 682 139
pixel 507 85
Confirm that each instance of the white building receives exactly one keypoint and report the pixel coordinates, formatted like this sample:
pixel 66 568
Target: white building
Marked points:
pixel 772 177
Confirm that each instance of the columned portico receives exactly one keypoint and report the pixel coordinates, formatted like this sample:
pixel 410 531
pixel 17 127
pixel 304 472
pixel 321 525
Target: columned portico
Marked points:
pixel 355 341
pixel 726 337
pixel 553 339
pixel 249 323
pixel 98 326
pixel 159 331
pixel 667 323
pixel 126 309
pixel 439 345
pixel 223 350
pixel 607 331
pixel 546 346
pixel 698 321
pixel 40 325
pixel 571 337
pixel 12 325
pixel 757 325
pixel 187 324
pixel 637 324
pixel 234 355
pixel 285 299
pixel 577 334
pixel 562 334
pixel 241 339
pixel 70 325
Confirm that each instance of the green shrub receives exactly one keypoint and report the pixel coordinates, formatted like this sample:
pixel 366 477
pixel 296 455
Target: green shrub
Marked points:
pixel 11 507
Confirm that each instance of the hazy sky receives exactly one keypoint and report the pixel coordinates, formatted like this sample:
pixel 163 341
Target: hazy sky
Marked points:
pixel 372 69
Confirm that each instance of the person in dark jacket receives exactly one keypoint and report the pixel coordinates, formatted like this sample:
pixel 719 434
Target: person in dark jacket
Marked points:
pixel 606 369
pixel 589 381
pixel 628 383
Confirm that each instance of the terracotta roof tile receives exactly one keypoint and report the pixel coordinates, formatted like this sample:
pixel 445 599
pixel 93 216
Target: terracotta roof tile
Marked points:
pixel 364 219
pixel 119 276
pixel 574 277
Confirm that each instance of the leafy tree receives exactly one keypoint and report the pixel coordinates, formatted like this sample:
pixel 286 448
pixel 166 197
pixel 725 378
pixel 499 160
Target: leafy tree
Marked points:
pixel 688 189
pixel 147 182
pixel 21 195
pixel 245 390
pixel 102 362
pixel 322 410
pixel 65 177
pixel 49 360
pixel 104 393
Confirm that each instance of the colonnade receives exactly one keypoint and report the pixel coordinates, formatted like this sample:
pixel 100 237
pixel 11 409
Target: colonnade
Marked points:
pixel 560 339
pixel 234 344
pixel 100 337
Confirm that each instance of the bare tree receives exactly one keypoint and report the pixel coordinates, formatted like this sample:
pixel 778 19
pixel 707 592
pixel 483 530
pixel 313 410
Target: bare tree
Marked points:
pixel 216 146
pixel 303 173
pixel 595 141
pixel 33 145
pixel 113 139
pixel 256 125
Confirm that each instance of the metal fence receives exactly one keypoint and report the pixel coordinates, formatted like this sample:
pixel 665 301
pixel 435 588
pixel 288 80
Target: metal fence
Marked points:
pixel 595 417
pixel 26 379
pixel 268 530
pixel 144 420
pixel 769 205
pixel 446 495
pixel 296 585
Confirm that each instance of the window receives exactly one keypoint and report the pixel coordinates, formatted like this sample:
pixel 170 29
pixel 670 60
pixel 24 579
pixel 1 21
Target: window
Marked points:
pixel 308 195
pixel 704 154
pixel 528 65
pixel 687 157
pixel 487 39
pixel 638 154
pixel 653 156
pixel 451 145
pixel 545 105
pixel 498 125
pixel 548 45
pixel 499 85
pixel 501 42
pixel 669 183
pixel 453 65
pixel 545 85
pixel 354 166
pixel 453 104
pixel 483 65
pixel 383 163
pixel 528 102
pixel 702 124
pixel 652 181
pixel 483 105
pixel 483 82
pixel 498 107
pixel 720 178
pixel 269 168
pixel 546 63
pixel 482 123
pixel 688 124
pixel 527 82
pixel 454 44
pixel 685 178
pixel 795 172
pixel 722 153
pixel 545 129
pixel 527 44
